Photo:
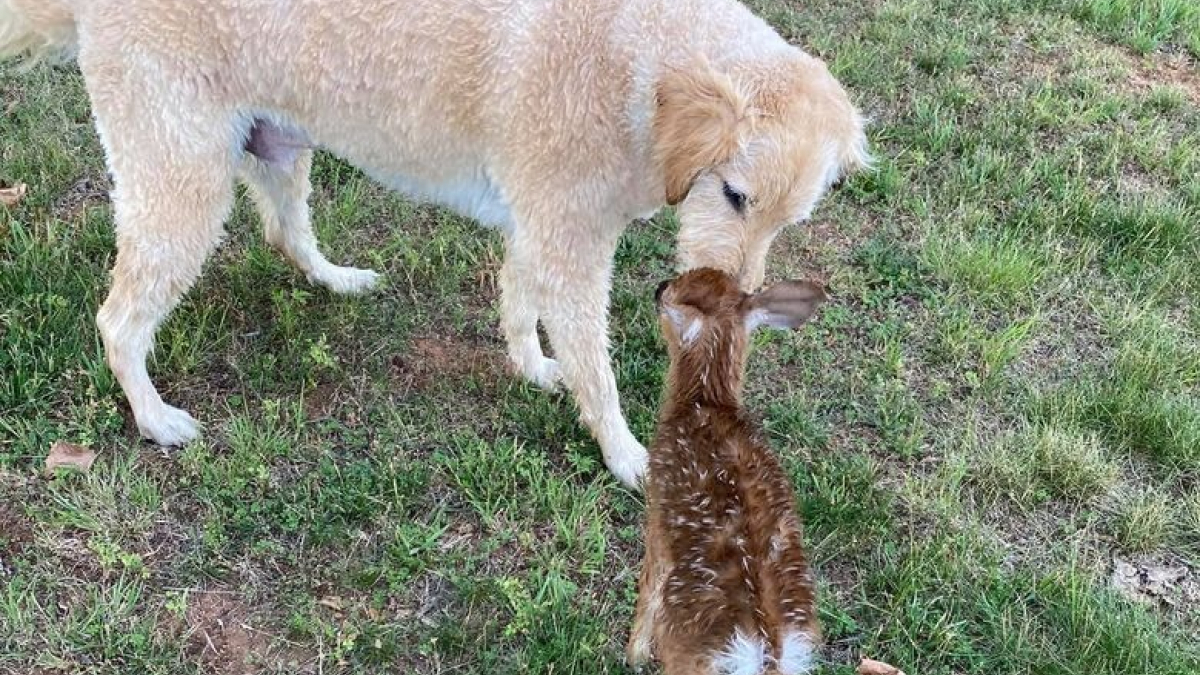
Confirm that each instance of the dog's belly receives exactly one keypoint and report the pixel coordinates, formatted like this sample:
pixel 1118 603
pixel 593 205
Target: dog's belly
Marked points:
pixel 475 196
pixel 459 181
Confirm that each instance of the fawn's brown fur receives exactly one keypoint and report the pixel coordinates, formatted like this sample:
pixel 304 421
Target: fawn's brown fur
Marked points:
pixel 725 587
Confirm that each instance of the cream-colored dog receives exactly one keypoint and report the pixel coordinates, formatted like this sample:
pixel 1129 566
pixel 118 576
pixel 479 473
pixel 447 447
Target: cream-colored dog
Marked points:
pixel 556 121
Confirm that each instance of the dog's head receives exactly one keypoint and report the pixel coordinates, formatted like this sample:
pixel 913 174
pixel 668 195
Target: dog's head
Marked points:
pixel 744 153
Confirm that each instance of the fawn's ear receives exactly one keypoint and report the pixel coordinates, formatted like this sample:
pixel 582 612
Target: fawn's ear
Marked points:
pixel 787 305
pixel 686 322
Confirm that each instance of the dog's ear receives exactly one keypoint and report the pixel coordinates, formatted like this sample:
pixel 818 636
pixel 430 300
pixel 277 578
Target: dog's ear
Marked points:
pixel 787 304
pixel 698 124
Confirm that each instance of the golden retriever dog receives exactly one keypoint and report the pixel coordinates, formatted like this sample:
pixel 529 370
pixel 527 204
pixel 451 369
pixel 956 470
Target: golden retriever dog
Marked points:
pixel 557 122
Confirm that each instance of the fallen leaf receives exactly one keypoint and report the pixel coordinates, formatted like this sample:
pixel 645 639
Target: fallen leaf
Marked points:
pixel 872 667
pixel 69 455
pixel 9 196
pixel 332 602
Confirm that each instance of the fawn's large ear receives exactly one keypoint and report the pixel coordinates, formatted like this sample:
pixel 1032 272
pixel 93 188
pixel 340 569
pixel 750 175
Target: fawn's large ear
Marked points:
pixel 698 125
pixel 787 304
pixel 686 321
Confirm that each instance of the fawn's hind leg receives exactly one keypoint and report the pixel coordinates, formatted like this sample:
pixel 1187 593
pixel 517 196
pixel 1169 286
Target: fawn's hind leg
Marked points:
pixel 639 650
pixel 278 180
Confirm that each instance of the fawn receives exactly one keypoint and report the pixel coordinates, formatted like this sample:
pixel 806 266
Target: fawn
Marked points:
pixel 725 587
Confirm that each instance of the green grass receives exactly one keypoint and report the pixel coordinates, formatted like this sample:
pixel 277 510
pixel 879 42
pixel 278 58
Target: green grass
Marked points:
pixel 1145 25
pixel 1000 401
pixel 1142 521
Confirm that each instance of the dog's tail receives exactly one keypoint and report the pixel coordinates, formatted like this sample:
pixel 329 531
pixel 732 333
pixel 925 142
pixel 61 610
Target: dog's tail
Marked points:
pixel 37 29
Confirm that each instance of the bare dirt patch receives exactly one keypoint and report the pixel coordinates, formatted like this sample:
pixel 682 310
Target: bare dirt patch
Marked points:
pixel 16 532
pixel 1174 70
pixel 430 359
pixel 220 635
pixel 88 190
pixel 1156 582
pixel 335 400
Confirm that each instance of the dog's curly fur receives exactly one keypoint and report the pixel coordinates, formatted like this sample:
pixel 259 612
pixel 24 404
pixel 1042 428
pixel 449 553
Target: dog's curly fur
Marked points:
pixel 556 121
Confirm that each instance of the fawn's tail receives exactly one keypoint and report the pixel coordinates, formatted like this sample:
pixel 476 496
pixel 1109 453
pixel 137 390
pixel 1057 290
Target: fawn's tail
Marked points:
pixel 37 29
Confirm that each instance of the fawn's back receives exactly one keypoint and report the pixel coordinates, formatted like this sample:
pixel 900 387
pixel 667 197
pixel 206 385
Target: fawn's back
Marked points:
pixel 725 586
pixel 722 508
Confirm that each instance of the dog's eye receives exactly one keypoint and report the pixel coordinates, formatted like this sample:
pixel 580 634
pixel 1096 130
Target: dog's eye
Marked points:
pixel 736 199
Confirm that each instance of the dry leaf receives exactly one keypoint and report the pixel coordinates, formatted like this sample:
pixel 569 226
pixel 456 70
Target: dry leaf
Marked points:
pixel 69 455
pixel 9 196
pixel 872 667
pixel 332 602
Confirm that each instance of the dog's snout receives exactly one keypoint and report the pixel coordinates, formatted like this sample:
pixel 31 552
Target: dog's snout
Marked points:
pixel 659 291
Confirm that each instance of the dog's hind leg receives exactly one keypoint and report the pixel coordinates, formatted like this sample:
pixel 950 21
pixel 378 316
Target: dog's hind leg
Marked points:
pixel 278 181
pixel 172 190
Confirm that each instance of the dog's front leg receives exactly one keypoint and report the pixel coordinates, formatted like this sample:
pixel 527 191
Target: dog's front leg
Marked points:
pixel 520 306
pixel 567 278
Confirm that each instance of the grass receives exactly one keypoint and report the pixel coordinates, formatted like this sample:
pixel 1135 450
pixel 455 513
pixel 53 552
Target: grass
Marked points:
pixel 1145 25
pixel 1000 402
pixel 1143 521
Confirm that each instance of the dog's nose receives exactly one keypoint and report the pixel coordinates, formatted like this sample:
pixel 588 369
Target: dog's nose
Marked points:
pixel 659 291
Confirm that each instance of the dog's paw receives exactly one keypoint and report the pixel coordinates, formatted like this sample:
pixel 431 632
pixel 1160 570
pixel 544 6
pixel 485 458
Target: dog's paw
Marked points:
pixel 545 373
pixel 627 459
pixel 169 426
pixel 540 370
pixel 345 280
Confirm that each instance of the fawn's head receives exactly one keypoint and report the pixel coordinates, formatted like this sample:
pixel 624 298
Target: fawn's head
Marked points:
pixel 707 321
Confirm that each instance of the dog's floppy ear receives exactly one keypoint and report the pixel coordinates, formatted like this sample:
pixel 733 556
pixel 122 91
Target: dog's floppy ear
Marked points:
pixel 787 304
pixel 697 125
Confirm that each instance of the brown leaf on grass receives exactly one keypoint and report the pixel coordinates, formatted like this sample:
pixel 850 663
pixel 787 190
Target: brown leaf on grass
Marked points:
pixel 69 455
pixel 872 667
pixel 333 602
pixel 9 196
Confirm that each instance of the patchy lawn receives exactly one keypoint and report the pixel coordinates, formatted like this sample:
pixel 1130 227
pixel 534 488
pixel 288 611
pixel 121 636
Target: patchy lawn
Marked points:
pixel 994 428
